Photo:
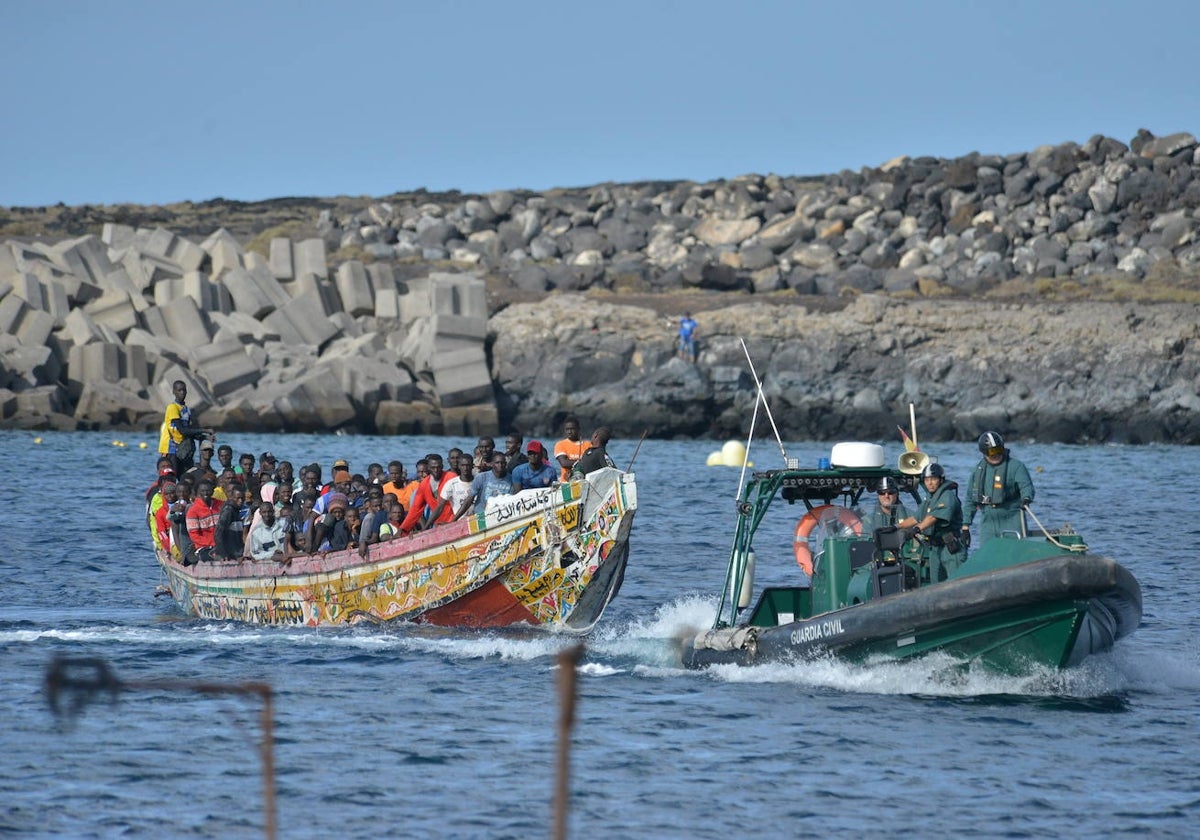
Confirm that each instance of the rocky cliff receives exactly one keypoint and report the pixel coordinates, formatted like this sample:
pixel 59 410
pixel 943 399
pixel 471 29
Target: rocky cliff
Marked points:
pixel 1051 294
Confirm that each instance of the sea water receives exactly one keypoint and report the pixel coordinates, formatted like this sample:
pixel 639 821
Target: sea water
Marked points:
pixel 419 731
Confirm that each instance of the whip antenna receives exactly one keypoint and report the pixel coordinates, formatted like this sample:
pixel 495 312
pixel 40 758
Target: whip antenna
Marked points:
pixel 763 397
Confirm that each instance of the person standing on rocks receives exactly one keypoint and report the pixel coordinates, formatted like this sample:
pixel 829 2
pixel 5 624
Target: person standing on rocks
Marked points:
pixel 687 338
pixel 1001 488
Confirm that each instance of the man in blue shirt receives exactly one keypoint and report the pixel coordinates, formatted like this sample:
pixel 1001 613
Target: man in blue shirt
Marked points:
pixel 535 473
pixel 687 338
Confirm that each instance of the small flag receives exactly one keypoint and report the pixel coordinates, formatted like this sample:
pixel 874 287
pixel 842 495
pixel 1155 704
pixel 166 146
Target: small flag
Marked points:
pixel 909 445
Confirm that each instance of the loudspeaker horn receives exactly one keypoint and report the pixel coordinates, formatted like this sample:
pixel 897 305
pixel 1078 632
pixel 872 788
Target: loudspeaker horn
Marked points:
pixel 913 463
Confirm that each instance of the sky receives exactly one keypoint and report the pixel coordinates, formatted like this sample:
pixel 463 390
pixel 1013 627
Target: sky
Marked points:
pixel 158 101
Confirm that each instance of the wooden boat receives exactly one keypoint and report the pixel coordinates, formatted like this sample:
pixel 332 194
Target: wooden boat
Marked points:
pixel 1014 604
pixel 553 557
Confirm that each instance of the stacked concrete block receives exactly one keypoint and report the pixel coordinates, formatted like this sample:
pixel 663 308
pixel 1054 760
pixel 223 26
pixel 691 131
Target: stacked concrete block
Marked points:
pixel 23 366
pixel 259 266
pixel 318 402
pixel 224 250
pixel 458 294
pixel 249 294
pixel 238 326
pixel 160 351
pixel 117 236
pixel 462 377
pixel 208 296
pixel 121 404
pixel 185 322
pixel 225 366
pixel 104 362
pixel 409 418
pixel 280 259
pixel 309 259
pixel 79 328
pixel 29 289
pixel 146 270
pixel 302 320
pixel 114 309
pixel 471 421
pixel 383 287
pixel 87 263
pixel 58 304
pixel 35 328
pixel 12 310
pixel 354 289
pixel 184 253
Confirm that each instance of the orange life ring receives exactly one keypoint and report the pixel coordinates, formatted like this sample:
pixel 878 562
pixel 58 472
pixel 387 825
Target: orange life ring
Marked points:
pixel 809 521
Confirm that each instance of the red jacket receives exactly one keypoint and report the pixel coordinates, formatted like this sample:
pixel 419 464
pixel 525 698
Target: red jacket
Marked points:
pixel 427 497
pixel 202 522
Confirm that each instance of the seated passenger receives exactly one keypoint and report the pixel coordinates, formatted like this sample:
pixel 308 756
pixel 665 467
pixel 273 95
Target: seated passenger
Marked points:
pixel 330 532
pixel 490 484
pixel 229 534
pixel 268 540
pixel 536 472
pixel 596 456
pixel 202 520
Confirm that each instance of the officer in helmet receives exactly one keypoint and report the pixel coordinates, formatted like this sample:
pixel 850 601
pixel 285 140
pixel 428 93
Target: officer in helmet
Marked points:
pixel 1000 488
pixel 938 522
pixel 888 508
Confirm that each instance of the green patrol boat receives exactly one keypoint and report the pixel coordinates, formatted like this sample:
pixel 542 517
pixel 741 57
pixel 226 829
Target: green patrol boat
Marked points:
pixel 1016 603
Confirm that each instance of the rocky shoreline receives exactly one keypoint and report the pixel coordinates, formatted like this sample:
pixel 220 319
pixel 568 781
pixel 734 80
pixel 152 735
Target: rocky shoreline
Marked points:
pixel 1050 294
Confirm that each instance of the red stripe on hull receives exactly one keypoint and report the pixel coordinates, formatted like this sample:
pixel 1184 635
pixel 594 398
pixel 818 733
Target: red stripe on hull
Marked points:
pixel 491 605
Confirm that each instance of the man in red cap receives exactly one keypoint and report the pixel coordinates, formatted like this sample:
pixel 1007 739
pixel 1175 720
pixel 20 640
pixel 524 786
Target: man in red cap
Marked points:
pixel 535 473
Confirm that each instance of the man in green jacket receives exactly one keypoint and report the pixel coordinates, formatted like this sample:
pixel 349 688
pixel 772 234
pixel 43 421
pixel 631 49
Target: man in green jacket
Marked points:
pixel 938 522
pixel 1000 487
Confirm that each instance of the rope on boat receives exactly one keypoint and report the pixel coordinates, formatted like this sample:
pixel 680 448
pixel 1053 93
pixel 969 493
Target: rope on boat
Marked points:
pixel 1080 548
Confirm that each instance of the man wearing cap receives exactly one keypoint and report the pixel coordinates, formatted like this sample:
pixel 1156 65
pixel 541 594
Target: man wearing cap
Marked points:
pixel 1000 487
pixel 204 466
pixel 428 495
pixel 535 473
pixel 889 510
pixel 938 521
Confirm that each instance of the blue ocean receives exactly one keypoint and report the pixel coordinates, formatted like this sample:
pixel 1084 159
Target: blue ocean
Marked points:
pixel 418 731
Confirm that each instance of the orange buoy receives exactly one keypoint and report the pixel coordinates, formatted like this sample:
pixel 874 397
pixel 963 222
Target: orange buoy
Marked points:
pixel 808 523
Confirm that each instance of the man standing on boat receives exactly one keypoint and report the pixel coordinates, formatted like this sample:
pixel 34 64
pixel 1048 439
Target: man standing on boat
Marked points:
pixel 938 522
pixel 889 510
pixel 1000 487
pixel 570 449
pixel 179 432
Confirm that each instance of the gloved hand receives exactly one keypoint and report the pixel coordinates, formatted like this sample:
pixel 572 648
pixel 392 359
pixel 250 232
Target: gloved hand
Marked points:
pixel 965 537
pixel 912 531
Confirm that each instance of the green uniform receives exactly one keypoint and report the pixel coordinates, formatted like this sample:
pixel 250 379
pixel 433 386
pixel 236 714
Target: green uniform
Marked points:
pixel 946 510
pixel 999 491
pixel 878 518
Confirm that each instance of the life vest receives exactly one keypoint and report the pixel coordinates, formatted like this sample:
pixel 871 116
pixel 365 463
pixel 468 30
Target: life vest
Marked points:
pixel 808 523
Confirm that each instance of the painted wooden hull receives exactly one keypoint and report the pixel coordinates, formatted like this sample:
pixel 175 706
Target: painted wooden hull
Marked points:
pixel 552 557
